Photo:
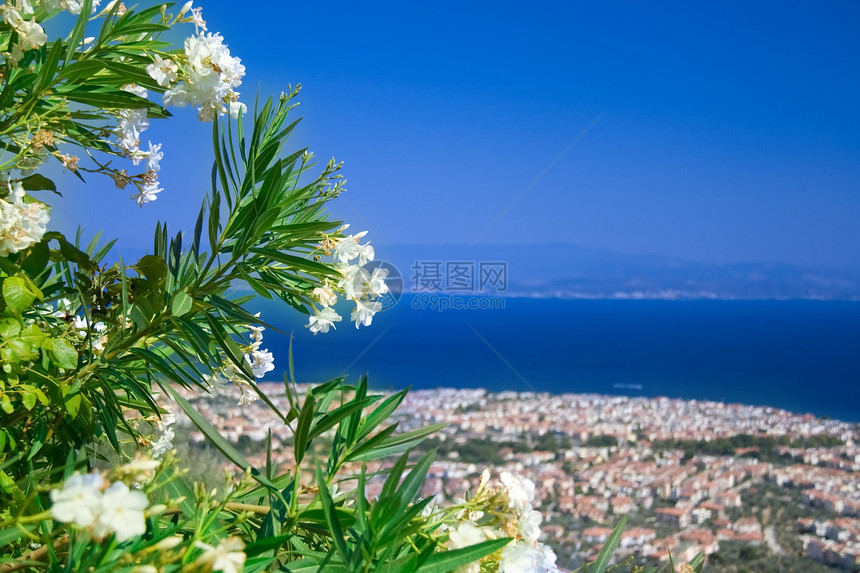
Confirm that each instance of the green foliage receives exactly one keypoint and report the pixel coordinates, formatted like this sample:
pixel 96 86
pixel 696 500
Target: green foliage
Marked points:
pixel 601 441
pixel 760 447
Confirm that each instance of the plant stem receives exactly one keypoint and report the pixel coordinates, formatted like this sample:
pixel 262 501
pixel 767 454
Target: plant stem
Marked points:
pixel 37 555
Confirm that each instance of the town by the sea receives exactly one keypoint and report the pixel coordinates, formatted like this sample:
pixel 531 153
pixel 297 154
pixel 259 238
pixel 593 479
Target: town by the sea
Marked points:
pixel 799 355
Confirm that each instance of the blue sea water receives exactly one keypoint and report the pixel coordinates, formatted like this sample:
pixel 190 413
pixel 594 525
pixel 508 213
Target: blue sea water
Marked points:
pixel 803 356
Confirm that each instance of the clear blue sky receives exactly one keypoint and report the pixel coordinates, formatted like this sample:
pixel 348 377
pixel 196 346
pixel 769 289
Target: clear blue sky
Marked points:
pixel 725 131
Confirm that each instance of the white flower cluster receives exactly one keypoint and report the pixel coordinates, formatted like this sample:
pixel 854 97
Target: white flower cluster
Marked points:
pixel 164 443
pixel 516 518
pixel 132 123
pixel 87 501
pixel 356 284
pixel 30 33
pixel 73 6
pixel 21 224
pixel 259 361
pixel 205 76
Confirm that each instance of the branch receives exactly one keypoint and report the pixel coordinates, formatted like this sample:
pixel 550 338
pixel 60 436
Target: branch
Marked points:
pixel 37 555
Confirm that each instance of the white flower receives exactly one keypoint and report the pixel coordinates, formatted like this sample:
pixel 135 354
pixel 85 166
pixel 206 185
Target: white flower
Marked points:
pixel 146 193
pixel 132 122
pixel 465 534
pixel 348 248
pixel 365 253
pixel 529 525
pixel 73 6
pixel 165 440
pixel 135 89
pixel 214 381
pixel 520 491
pixel 11 15
pixel 261 361
pixel 364 311
pixel 31 35
pixel 376 283
pixel 234 374
pixel 354 281
pixel 162 71
pixel 153 157
pixel 236 107
pixel 21 224
pixel 121 511
pixel 228 557
pixel 99 344
pixel 78 501
pixel 323 319
pixel 325 295
pixel 140 469
pixel 246 397
pixel 256 331
pixel 522 557
pixel 209 80
pixel 177 95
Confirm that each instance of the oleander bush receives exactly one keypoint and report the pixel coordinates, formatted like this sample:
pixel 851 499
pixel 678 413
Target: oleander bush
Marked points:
pixel 94 348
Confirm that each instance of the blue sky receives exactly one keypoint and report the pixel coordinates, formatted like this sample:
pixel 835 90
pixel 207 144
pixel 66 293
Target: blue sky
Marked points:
pixel 718 132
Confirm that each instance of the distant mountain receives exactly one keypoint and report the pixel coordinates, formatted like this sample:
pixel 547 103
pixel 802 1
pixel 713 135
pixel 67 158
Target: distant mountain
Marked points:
pixel 568 271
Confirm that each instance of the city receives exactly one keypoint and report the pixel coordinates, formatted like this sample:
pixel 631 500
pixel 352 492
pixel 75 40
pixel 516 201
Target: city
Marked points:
pixel 691 476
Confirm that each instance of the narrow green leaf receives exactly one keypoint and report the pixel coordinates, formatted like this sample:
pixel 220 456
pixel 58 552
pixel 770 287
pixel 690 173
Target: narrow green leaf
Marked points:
pixel 602 561
pixel 303 426
pixel 445 561
pixel 331 518
pixel 217 439
pixel 412 482
pixel 394 444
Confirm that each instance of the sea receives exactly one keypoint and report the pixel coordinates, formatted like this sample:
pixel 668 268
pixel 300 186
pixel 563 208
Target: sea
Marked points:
pixel 798 355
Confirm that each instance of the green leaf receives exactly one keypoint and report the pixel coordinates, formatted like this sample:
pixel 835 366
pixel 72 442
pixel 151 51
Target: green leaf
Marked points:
pixel 698 562
pixel 445 561
pixel 303 426
pixel 9 327
pixel 412 483
pixel 217 439
pixel 181 303
pixel 296 263
pixel 62 351
pixel 73 405
pixel 38 182
pixel 12 534
pixel 602 561
pixel 18 294
pixel 35 259
pixel 28 397
pixel 332 519
pixel 153 268
pixel 113 98
pixel 392 445
pixel 49 67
